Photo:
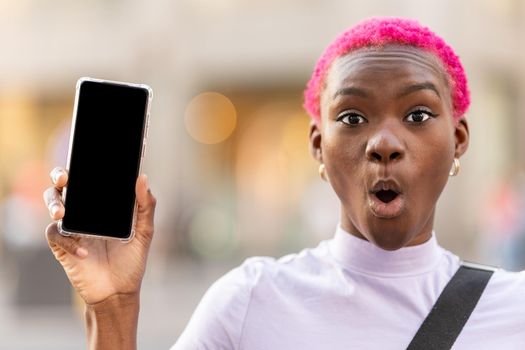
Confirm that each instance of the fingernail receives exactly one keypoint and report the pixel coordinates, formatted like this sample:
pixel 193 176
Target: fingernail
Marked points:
pixel 146 182
pixel 54 209
pixel 82 252
pixel 56 174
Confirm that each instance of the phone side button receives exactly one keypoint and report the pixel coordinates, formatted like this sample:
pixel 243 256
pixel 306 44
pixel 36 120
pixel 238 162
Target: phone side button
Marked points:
pixel 144 149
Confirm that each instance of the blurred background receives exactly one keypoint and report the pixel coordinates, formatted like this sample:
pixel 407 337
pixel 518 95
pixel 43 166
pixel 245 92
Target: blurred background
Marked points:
pixel 237 180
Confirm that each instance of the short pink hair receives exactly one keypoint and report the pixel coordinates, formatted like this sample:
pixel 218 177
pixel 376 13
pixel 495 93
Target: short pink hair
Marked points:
pixel 380 31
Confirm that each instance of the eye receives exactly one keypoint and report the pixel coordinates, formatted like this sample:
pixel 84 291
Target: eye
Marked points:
pixel 351 118
pixel 419 116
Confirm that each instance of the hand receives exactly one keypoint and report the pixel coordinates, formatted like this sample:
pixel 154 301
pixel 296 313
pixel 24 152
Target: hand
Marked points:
pixel 98 268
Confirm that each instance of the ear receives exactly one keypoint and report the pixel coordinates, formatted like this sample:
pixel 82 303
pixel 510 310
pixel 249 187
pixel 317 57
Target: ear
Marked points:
pixel 462 137
pixel 315 142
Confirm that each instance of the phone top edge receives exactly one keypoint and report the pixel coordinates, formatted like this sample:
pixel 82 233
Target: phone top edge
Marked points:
pixel 115 82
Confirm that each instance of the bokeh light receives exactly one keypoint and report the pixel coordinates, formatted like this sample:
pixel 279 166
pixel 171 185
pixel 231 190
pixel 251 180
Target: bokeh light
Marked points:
pixel 210 117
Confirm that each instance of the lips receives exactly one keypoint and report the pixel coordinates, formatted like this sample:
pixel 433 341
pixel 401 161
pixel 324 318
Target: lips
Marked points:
pixel 386 199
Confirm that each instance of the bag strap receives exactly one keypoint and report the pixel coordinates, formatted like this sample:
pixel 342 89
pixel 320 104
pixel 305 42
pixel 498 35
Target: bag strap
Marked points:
pixel 452 309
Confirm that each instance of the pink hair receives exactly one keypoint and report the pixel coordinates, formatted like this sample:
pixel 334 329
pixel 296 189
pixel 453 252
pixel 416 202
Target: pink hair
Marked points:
pixel 380 31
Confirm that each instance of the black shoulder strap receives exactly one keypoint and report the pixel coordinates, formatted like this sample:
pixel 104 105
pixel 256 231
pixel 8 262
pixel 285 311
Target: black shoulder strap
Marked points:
pixel 452 309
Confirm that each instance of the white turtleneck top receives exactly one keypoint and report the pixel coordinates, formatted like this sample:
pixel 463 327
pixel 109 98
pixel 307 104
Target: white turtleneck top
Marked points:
pixel 348 294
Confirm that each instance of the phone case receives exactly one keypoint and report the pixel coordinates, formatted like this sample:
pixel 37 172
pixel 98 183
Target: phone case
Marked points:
pixel 71 135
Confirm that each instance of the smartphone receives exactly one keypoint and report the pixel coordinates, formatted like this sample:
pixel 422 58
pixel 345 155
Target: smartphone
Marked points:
pixel 106 148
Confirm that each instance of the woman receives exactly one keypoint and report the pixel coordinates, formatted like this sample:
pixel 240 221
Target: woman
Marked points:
pixel 387 101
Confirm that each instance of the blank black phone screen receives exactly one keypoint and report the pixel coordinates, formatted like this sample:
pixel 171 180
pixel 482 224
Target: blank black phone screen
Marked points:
pixel 104 162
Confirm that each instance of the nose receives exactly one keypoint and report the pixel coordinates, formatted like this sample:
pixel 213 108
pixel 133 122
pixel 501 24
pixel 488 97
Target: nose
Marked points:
pixel 385 146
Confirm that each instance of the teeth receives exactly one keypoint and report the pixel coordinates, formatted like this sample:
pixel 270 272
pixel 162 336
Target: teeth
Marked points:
pixel 385 186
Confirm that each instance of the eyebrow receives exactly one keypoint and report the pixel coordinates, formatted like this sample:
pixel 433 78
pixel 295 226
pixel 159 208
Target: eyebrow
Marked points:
pixel 418 87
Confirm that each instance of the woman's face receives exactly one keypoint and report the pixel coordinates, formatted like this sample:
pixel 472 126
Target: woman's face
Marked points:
pixel 388 139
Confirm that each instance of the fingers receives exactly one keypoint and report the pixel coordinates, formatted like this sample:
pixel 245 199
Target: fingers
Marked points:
pixel 59 177
pixel 60 244
pixel 52 196
pixel 53 201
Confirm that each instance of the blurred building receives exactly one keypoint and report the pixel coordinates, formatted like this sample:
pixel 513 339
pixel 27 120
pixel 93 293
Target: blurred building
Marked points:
pixel 240 181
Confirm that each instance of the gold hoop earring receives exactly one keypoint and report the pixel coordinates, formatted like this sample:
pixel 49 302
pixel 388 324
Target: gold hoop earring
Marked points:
pixel 322 172
pixel 455 167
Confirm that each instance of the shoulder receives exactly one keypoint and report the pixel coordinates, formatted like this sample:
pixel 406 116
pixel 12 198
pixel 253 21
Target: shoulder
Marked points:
pixel 219 318
pixel 508 282
pixel 233 292
pixel 502 281
pixel 503 286
pixel 256 270
pixel 505 291
pixel 501 308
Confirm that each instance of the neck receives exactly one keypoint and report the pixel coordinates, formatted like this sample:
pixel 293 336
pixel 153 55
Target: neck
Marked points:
pixel 362 256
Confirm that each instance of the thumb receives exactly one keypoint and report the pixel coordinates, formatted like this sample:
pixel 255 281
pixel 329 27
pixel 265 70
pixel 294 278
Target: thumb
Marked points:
pixel 145 199
pixel 145 211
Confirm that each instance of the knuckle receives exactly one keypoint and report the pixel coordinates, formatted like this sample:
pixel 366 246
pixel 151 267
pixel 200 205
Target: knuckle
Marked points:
pixel 51 198
pixel 48 193
pixel 55 169
pixel 58 177
pixel 55 173
pixel 45 195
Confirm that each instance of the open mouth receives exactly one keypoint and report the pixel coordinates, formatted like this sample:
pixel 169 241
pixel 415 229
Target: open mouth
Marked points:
pixel 387 199
pixel 386 196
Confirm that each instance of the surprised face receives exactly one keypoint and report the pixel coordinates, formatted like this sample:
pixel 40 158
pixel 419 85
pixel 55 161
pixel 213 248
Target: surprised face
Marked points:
pixel 388 139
